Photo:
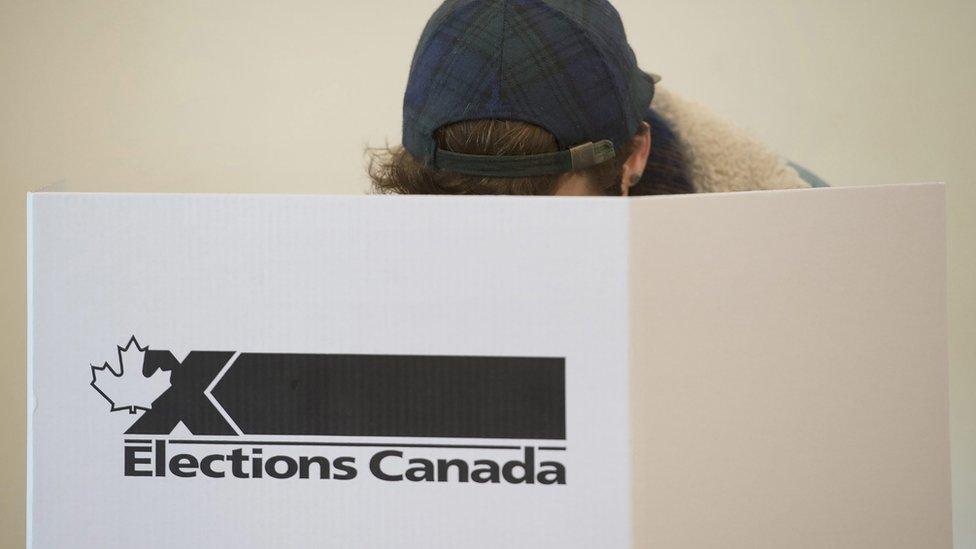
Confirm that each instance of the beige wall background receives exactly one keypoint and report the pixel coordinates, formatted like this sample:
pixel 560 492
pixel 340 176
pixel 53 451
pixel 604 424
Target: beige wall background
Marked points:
pixel 229 96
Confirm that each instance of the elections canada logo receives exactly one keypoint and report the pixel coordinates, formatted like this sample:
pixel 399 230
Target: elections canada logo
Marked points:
pixel 391 418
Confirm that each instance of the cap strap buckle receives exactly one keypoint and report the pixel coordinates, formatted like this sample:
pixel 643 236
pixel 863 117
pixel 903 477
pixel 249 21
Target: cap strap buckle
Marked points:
pixel 590 154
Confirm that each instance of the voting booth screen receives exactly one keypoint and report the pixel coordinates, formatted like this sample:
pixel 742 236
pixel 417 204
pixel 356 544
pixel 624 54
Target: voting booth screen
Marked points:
pixel 751 369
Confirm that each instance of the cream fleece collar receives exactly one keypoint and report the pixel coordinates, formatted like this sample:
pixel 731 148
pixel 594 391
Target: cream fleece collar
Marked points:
pixel 719 156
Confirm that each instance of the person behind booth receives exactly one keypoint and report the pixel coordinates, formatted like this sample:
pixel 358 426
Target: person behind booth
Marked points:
pixel 544 97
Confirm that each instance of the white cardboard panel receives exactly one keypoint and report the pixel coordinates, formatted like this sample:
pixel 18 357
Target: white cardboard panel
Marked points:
pixel 790 370
pixel 298 274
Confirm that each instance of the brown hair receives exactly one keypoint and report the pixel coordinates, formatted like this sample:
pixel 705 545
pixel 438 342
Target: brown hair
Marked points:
pixel 395 171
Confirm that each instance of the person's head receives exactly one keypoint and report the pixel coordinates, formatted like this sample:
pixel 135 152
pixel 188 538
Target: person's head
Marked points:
pixel 521 97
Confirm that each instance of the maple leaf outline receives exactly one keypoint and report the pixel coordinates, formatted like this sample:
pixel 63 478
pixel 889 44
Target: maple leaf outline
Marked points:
pixel 129 360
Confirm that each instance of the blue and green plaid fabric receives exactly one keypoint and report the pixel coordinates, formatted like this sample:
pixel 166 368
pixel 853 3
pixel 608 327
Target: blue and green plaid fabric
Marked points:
pixel 560 64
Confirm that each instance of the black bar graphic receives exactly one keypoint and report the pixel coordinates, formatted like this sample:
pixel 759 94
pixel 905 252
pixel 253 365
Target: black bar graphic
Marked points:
pixel 391 395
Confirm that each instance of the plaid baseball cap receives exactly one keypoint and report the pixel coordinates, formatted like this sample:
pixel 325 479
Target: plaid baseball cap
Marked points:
pixel 563 65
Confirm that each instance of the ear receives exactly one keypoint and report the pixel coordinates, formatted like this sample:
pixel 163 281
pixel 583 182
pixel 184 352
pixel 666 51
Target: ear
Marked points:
pixel 637 161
